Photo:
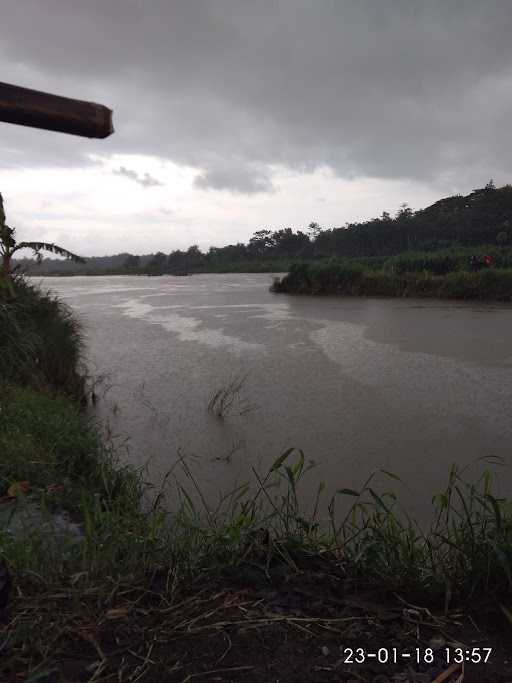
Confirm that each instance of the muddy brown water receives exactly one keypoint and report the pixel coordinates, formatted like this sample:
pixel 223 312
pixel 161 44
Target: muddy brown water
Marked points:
pixel 410 386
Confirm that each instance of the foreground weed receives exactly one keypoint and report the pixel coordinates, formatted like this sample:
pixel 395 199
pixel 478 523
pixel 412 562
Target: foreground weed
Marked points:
pixel 129 532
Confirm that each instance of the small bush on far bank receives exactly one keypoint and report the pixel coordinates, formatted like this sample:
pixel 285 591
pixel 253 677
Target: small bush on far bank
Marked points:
pixel 352 279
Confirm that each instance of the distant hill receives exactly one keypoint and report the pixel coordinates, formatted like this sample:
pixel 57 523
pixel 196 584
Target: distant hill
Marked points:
pixel 483 217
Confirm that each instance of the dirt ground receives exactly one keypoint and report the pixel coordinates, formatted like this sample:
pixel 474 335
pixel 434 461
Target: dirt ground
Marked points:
pixel 298 629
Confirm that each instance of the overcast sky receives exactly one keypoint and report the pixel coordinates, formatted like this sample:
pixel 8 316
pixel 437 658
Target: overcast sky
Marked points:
pixel 233 115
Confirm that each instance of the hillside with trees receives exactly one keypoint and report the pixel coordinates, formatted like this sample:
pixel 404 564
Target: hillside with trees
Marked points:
pixel 483 217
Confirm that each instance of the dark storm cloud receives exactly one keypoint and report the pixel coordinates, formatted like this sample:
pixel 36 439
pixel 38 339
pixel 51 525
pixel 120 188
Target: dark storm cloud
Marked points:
pixel 146 180
pixel 389 88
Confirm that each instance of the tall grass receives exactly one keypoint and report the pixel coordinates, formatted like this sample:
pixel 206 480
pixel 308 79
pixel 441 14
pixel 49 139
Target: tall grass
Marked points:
pixel 128 531
pixel 40 340
pixel 465 550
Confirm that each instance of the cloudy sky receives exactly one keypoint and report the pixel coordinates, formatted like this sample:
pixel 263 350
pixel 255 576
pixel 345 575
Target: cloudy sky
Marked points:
pixel 232 115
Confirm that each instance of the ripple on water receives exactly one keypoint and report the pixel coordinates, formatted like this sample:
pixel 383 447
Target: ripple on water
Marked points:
pixel 187 328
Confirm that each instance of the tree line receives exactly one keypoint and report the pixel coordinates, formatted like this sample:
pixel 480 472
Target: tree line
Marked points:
pixel 482 217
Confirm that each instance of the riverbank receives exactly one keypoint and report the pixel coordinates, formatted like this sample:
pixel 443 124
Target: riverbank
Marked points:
pixel 258 588
pixel 251 591
pixel 172 597
pixel 351 279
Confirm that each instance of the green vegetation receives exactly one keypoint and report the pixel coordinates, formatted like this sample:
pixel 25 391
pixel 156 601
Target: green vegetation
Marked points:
pixel 406 275
pixel 482 219
pixel 467 550
pixel 9 246
pixel 40 341
pixel 50 446
pixel 45 440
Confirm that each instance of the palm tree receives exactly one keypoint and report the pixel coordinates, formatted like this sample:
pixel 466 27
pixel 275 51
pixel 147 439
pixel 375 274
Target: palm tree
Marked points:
pixel 9 246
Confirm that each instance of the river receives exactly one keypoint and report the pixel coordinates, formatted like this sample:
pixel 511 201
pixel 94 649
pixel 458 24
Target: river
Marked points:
pixel 410 386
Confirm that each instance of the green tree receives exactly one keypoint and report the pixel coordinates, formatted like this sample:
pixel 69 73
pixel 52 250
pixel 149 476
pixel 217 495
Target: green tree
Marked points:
pixel 194 257
pixel 261 243
pixel 9 246
pixel 314 230
pixel 289 244
pixel 131 261
pixel 404 212
pixel 158 262
pixel 176 260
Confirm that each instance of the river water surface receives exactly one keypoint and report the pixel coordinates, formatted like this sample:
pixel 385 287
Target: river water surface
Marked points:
pixel 407 385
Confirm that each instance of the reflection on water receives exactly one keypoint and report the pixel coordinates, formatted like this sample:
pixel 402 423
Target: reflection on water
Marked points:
pixel 406 385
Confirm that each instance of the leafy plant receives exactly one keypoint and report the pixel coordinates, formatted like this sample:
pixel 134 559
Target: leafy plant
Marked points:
pixel 9 246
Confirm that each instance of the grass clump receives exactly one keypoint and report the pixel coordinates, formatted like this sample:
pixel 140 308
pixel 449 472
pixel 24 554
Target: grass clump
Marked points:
pixel 228 400
pixel 465 551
